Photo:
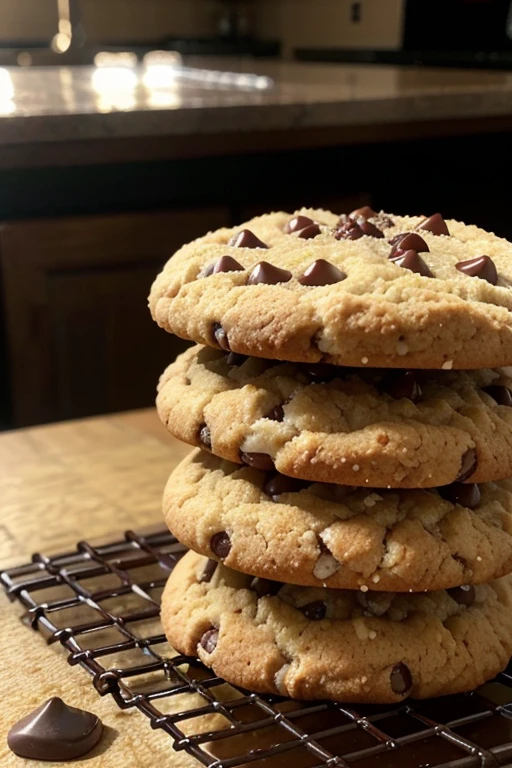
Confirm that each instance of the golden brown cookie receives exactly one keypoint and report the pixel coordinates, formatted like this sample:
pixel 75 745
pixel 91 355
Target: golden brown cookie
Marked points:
pixel 314 287
pixel 279 528
pixel 400 429
pixel 314 643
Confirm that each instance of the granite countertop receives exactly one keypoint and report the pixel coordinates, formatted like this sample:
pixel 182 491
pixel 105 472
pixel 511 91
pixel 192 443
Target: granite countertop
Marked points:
pixel 57 104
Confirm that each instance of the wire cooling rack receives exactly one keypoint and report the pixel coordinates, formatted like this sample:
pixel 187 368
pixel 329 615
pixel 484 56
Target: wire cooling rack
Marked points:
pixel 101 602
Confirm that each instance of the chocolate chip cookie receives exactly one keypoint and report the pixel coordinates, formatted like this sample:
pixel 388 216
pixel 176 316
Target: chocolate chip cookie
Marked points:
pixel 368 289
pixel 401 429
pixel 279 528
pixel 314 643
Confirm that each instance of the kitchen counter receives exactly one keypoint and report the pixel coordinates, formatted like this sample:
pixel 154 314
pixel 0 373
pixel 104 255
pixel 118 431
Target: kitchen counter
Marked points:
pixel 306 105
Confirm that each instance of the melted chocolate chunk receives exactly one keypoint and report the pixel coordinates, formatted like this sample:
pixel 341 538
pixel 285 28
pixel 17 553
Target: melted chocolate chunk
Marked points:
pixel 227 264
pixel 258 461
pixel 220 336
pixel 468 465
pixel 365 212
pixel 265 587
pixel 205 437
pixel 268 274
pixel 298 223
pixel 276 414
pixel 209 570
pixel 464 595
pixel 412 260
pixel 501 394
pixel 401 678
pixel 233 359
pixel 278 484
pixel 482 267
pixel 410 241
pixel 220 544
pixel 209 640
pixel 347 229
pixel 434 224
pixel 308 233
pixel 400 384
pixel 322 272
pixel 466 494
pixel 54 732
pixel 246 239
pixel 314 611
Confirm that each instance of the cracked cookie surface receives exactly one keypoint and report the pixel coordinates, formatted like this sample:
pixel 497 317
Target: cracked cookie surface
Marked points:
pixel 314 643
pixel 353 538
pixel 308 296
pixel 341 425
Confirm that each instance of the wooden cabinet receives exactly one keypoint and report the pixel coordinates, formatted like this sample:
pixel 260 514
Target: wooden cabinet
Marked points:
pixel 79 339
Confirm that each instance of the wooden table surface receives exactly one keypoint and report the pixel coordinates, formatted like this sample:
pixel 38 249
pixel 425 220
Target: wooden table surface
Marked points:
pixel 59 484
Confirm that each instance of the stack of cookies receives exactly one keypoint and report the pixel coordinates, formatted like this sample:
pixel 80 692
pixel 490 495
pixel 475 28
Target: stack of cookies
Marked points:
pixel 347 502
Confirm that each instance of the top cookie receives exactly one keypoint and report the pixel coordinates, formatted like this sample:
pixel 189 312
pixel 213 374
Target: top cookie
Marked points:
pixel 311 286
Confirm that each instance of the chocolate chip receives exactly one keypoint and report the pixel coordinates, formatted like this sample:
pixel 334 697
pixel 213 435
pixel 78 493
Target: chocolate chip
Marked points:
pixel 434 224
pixel 365 212
pixel 220 336
pixel 220 544
pixel 464 595
pixel 258 460
pixel 246 239
pixel 54 731
pixel 501 394
pixel 368 228
pixel 412 260
pixel 227 264
pixel 466 494
pixel 347 229
pixel 401 678
pixel 322 272
pixel 400 384
pixel 410 241
pixel 276 414
pixel 235 360
pixel 467 466
pixel 209 570
pixel 297 223
pixel 209 640
pixel 308 233
pixel 278 484
pixel 205 437
pixel 482 267
pixel 265 587
pixel 207 271
pixel 268 274
pixel 314 611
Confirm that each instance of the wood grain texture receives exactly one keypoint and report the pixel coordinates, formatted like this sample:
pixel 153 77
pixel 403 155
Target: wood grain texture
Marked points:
pixel 59 484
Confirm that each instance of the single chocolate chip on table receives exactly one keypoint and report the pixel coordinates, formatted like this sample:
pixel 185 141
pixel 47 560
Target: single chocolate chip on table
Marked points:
pixel 464 595
pixel 322 272
pixel 246 239
pixel 55 731
pixel 501 394
pixel 412 260
pixel 268 274
pixel 467 466
pixel 315 611
pixel 220 336
pixel 482 267
pixel 220 544
pixel 227 264
pixel 209 640
pixel 401 678
pixel 297 223
pixel 409 241
pixel 257 460
pixel 466 494
pixel 434 224
pixel 265 587
pixel 208 571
